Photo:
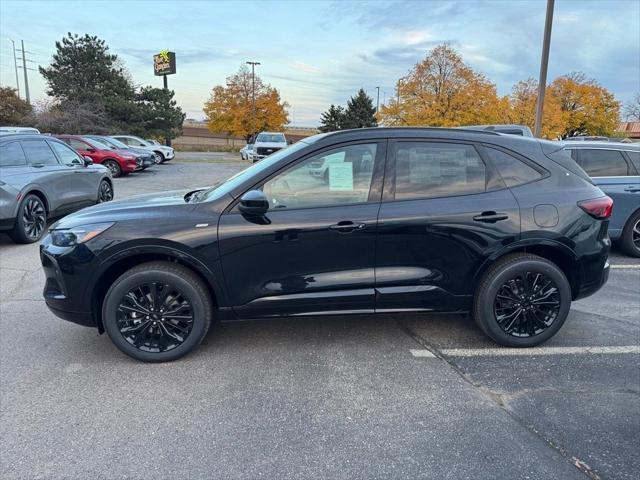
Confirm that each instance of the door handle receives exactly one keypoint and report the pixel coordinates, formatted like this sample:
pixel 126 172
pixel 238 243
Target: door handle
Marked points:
pixel 490 217
pixel 347 226
pixel 632 189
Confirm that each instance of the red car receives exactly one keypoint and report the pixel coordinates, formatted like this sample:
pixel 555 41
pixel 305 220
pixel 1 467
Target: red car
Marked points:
pixel 120 162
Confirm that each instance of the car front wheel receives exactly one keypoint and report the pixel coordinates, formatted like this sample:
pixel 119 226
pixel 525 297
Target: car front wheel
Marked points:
pixel 105 192
pixel 160 157
pixel 157 312
pixel 522 300
pixel 112 165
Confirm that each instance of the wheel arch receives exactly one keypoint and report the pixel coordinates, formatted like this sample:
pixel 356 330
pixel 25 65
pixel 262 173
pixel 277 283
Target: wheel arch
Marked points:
pixel 124 260
pixel 38 193
pixel 554 251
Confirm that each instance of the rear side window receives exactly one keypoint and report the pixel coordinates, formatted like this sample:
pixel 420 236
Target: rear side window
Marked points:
pixel 78 145
pixel 635 159
pixel 429 169
pixel 39 153
pixel 603 163
pixel 514 172
pixel 11 155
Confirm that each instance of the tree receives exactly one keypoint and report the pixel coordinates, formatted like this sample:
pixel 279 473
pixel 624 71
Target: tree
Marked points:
pixel 13 110
pixel 73 117
pixel 360 112
pixel 333 119
pixel 443 91
pixel 230 110
pixel 588 108
pixel 158 113
pixel 632 109
pixel 522 109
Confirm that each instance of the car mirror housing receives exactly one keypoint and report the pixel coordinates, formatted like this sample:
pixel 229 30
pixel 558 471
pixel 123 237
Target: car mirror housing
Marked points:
pixel 254 203
pixel 87 161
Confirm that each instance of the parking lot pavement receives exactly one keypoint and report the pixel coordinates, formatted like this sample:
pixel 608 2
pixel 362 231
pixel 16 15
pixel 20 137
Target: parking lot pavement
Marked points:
pixel 340 397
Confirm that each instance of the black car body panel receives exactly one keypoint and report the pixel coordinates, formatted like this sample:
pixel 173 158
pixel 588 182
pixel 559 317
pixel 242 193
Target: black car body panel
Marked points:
pixel 422 254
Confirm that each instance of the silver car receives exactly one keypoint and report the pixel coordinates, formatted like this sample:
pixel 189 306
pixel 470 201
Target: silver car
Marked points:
pixel 42 177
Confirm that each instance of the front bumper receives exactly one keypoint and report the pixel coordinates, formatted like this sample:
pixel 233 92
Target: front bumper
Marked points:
pixel 169 155
pixel 66 271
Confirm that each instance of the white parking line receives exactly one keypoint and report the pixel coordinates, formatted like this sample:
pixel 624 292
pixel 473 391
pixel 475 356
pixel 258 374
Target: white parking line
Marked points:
pixel 624 266
pixel 506 352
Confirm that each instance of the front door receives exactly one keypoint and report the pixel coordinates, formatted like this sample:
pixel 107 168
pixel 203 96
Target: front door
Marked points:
pixel 314 250
pixel 83 186
pixel 444 211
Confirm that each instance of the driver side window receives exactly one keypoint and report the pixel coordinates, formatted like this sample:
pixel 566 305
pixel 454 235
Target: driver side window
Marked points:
pixel 335 177
pixel 67 155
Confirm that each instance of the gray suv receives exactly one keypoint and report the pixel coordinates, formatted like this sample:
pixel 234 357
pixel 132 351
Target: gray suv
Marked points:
pixel 41 177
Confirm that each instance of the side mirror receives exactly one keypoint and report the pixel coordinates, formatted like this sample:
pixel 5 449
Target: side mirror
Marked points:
pixel 254 203
pixel 91 149
pixel 87 161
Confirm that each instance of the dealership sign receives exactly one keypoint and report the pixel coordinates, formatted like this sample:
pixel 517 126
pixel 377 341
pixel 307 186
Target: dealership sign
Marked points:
pixel 164 63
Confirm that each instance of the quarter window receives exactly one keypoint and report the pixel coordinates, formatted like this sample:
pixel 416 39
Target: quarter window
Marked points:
pixel 603 163
pixel 66 154
pixel 11 155
pixel 426 170
pixel 336 177
pixel 513 171
pixel 39 153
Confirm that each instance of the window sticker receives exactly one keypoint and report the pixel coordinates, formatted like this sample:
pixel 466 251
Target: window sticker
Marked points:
pixel 341 176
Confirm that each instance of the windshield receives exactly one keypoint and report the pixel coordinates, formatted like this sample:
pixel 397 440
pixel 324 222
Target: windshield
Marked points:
pixel 271 137
pixel 240 177
pixel 116 143
pixel 103 142
pixel 96 144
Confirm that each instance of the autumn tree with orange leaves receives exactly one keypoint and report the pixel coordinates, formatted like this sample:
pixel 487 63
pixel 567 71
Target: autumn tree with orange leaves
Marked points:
pixel 230 110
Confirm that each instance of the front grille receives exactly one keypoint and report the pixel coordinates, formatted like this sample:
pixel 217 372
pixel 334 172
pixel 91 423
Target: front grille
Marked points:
pixel 267 150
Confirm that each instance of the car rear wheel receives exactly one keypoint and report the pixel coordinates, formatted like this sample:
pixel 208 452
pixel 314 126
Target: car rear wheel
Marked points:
pixel 522 300
pixel 161 157
pixel 105 192
pixel 157 312
pixel 113 166
pixel 31 221
pixel 630 238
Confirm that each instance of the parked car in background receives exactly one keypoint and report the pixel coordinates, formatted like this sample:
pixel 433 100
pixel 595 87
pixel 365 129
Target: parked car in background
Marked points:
pixel 267 143
pixel 246 152
pixel 588 138
pixel 148 158
pixel 165 153
pixel 615 168
pixel 31 130
pixel 152 141
pixel 510 229
pixel 40 178
pixel 511 129
pixel 119 162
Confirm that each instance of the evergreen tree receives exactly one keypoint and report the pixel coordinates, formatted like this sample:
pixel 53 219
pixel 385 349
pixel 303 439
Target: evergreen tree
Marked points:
pixel 360 111
pixel 333 119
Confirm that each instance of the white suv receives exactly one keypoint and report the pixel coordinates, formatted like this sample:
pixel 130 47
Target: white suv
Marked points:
pixel 163 152
pixel 267 143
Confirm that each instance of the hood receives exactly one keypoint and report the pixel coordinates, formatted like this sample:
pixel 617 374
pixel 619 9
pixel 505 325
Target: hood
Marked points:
pixel 139 207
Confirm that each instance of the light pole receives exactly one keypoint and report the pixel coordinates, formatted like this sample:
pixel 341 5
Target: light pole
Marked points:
pixel 378 100
pixel 15 65
pixel 544 63
pixel 253 96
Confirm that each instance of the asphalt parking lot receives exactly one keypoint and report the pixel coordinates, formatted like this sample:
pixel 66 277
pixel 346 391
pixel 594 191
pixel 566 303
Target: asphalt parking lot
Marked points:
pixel 358 397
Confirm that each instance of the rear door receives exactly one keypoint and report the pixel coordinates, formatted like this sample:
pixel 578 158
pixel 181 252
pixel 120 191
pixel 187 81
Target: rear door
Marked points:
pixel 615 173
pixel 48 173
pixel 444 211
pixel 314 250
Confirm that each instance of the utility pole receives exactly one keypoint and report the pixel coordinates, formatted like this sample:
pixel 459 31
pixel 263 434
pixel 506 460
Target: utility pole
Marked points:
pixel 15 65
pixel 253 96
pixel 544 63
pixel 398 103
pixel 378 100
pixel 26 77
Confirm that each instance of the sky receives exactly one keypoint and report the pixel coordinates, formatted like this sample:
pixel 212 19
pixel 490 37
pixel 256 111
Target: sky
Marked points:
pixel 318 53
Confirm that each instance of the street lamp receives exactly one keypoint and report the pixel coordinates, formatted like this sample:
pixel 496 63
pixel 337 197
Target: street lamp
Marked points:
pixel 253 95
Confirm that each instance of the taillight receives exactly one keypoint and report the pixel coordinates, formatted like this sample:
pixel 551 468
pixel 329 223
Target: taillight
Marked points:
pixel 599 208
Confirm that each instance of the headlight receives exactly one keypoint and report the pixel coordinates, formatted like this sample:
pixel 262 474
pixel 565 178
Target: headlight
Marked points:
pixel 129 157
pixel 81 234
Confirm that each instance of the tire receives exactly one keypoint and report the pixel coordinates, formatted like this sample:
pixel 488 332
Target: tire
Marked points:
pixel 161 156
pixel 182 285
pixel 105 192
pixel 630 238
pixel 112 165
pixel 31 221
pixel 527 320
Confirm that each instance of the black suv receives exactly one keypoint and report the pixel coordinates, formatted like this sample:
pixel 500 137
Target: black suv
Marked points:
pixel 508 229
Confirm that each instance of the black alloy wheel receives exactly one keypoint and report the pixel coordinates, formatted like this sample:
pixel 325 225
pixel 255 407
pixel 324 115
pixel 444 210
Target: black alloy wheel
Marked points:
pixel 527 304
pixel 630 239
pixel 155 317
pixel 105 192
pixel 31 221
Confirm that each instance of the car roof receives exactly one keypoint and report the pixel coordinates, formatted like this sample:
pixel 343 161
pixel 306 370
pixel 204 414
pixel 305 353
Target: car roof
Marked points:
pixel 5 137
pixel 603 145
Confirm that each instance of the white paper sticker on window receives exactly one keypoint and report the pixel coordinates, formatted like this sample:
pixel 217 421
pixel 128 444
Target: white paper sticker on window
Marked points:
pixel 341 176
